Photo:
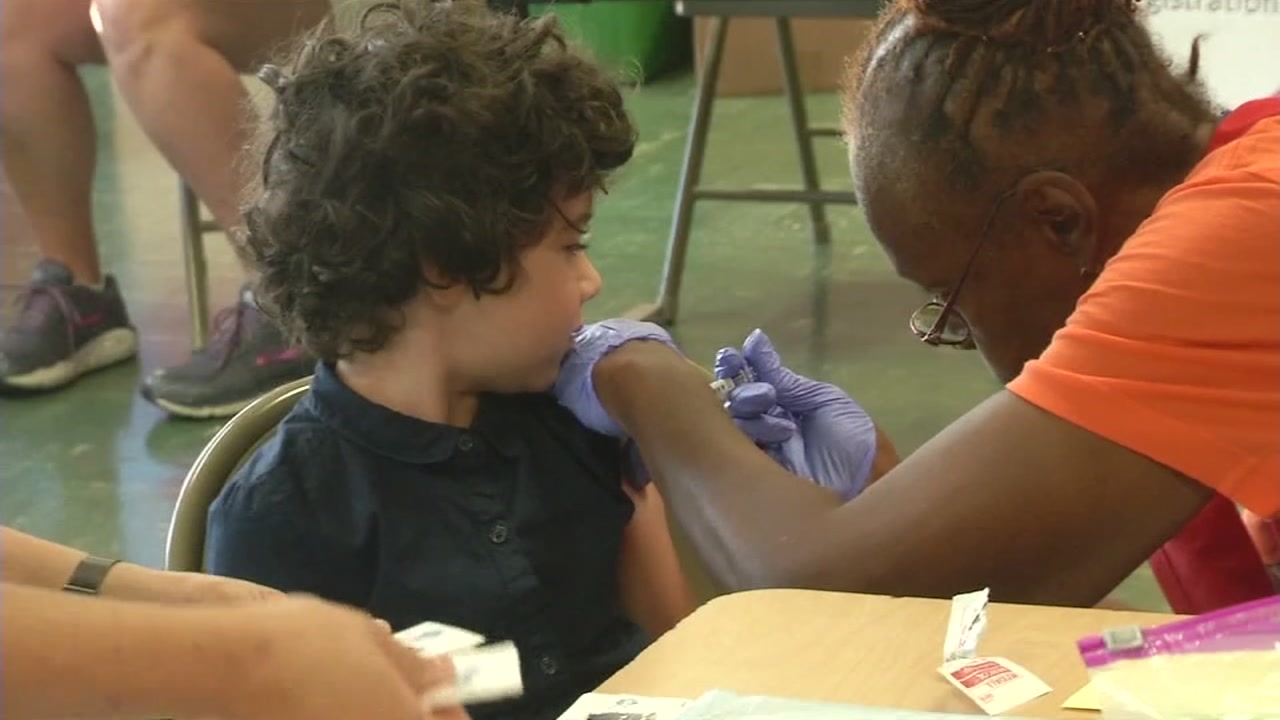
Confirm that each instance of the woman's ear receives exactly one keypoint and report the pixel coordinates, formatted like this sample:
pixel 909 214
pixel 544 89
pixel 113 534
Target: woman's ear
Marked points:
pixel 1062 212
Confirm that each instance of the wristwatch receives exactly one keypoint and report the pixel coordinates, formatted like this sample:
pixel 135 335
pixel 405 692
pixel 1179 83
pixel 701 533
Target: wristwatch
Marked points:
pixel 88 576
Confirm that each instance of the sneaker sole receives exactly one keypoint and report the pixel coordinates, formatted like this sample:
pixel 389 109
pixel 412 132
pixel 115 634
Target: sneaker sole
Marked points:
pixel 111 347
pixel 201 412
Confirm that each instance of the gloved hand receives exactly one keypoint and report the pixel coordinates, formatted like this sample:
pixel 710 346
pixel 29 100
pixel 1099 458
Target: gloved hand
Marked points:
pixel 811 428
pixel 574 387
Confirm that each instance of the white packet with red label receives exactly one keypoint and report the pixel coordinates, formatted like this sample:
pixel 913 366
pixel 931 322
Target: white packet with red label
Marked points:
pixel 997 685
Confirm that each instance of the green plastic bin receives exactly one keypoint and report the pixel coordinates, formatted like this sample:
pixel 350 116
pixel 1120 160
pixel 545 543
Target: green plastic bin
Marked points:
pixel 639 39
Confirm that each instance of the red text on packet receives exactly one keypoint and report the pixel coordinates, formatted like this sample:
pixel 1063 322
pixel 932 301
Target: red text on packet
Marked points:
pixel 981 672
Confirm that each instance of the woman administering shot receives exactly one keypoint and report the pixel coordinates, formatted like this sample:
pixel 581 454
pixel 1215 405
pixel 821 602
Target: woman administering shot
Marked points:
pixel 85 637
pixel 1032 164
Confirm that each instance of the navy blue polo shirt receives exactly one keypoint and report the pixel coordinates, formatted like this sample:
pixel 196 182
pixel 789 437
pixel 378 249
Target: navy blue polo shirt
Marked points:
pixel 511 528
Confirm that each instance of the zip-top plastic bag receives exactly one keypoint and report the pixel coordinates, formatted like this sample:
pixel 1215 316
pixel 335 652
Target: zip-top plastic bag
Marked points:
pixel 1223 665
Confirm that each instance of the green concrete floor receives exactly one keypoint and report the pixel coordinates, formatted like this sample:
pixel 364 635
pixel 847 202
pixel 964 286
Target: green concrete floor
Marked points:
pixel 97 467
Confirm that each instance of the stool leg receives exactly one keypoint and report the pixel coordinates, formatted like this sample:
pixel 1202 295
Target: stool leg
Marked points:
pixel 800 124
pixel 195 264
pixel 664 311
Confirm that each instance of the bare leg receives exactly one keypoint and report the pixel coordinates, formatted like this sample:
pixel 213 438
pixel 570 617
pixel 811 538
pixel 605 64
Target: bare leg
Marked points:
pixel 177 64
pixel 46 127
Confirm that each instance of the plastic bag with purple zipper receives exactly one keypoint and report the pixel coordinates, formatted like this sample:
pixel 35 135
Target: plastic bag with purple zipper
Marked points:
pixel 1223 665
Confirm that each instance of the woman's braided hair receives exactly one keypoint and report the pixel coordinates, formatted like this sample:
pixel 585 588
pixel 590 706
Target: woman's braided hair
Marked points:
pixel 972 79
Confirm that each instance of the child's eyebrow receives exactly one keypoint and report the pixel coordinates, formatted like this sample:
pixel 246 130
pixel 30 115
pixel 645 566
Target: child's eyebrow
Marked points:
pixel 579 223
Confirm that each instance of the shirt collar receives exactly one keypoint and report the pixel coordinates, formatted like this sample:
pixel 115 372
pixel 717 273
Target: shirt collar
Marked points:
pixel 402 437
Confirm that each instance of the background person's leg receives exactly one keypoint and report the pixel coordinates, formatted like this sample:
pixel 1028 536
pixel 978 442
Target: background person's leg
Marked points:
pixel 177 64
pixel 72 319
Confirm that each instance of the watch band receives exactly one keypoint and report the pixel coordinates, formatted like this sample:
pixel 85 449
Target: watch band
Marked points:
pixel 88 576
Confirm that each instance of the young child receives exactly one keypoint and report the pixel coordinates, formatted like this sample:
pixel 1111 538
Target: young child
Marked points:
pixel 421 227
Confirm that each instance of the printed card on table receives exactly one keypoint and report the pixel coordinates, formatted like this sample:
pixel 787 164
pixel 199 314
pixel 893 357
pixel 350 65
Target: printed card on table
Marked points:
pixel 598 706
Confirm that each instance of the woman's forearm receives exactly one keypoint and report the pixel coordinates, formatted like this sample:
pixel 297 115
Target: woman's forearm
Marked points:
pixel 68 656
pixel 27 560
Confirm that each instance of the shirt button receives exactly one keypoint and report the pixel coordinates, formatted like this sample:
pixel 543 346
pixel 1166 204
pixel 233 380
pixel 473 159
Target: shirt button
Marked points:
pixel 465 443
pixel 498 534
pixel 548 665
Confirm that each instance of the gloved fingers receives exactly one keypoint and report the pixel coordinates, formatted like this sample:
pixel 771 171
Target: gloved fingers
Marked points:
pixel 760 354
pixel 767 429
pixel 729 363
pixel 763 358
pixel 791 454
pixel 752 399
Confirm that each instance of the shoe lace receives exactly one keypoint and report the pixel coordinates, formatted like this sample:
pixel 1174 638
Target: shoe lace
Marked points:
pixel 32 313
pixel 228 326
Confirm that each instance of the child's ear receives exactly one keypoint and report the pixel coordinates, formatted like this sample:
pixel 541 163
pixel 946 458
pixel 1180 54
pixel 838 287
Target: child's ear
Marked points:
pixel 440 290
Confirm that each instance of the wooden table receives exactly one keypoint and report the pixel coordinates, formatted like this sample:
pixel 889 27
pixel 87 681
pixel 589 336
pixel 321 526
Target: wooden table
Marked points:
pixel 860 649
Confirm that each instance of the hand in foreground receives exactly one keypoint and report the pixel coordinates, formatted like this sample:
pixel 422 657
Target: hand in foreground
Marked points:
pixel 134 582
pixel 811 428
pixel 575 388
pixel 313 660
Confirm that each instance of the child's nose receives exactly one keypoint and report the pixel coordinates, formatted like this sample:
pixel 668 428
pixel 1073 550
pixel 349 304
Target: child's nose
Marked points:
pixel 591 281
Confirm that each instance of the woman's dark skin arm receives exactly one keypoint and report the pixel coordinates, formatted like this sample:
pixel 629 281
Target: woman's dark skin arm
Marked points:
pixel 1009 497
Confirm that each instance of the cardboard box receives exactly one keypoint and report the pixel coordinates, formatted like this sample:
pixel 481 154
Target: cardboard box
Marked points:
pixel 750 64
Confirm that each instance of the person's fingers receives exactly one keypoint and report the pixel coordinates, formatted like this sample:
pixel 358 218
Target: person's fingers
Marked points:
pixel 421 673
pixel 439 698
pixel 440 672
pixel 764 360
pixel 751 399
pixel 451 713
pixel 729 363
pixel 767 429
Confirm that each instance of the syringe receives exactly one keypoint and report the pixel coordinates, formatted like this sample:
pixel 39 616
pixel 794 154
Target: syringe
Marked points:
pixel 723 386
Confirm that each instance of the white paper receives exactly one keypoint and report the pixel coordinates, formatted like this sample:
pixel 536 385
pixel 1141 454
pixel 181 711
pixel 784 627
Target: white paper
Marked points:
pixel 484 674
pixel 966 625
pixel 996 684
pixel 600 706
pixel 433 638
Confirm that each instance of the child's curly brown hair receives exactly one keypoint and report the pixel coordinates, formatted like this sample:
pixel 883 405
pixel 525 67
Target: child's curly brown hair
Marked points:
pixel 434 135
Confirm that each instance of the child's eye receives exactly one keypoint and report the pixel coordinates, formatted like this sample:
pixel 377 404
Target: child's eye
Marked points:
pixel 577 247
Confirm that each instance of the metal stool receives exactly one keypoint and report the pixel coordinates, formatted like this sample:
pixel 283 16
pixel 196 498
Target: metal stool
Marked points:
pixel 194 227
pixel 690 191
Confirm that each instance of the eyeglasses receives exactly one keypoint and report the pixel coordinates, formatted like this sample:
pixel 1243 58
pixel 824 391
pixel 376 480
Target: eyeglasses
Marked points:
pixel 938 322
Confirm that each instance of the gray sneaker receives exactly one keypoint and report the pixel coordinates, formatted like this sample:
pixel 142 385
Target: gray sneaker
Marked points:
pixel 246 357
pixel 63 330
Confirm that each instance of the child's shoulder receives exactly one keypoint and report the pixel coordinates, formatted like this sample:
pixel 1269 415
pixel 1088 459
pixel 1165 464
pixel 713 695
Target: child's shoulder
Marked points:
pixel 542 413
pixel 299 454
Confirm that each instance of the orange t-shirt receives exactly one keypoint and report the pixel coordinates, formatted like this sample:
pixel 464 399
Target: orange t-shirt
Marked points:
pixel 1174 352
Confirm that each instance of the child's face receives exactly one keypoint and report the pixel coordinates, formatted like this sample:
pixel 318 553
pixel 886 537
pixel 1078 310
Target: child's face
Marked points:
pixel 515 341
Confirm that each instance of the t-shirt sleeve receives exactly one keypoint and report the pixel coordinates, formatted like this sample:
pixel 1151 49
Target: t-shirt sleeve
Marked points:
pixel 1175 351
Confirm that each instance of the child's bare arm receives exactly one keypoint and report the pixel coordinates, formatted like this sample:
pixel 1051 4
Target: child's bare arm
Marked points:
pixel 655 592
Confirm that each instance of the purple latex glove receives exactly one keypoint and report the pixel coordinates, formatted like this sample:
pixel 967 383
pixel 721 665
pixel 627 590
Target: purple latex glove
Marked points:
pixel 837 439
pixel 754 408
pixel 574 387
